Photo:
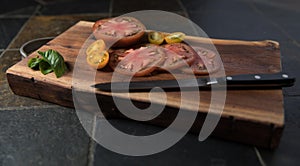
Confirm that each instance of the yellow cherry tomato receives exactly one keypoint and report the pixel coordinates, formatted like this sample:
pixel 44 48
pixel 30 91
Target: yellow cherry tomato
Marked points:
pixel 155 37
pixel 98 46
pixel 97 57
pixel 175 37
pixel 97 60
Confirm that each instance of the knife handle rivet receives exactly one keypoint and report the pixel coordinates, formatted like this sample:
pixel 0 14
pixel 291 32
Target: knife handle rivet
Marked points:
pixel 229 78
pixel 285 76
pixel 257 77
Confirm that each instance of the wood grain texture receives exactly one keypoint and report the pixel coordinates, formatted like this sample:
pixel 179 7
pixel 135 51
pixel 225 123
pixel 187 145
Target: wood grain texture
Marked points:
pixel 247 114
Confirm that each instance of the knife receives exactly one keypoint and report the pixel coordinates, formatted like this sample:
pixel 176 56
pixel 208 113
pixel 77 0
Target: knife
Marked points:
pixel 244 81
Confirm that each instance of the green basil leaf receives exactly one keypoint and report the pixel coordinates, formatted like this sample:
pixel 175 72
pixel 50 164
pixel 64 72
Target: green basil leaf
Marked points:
pixel 55 60
pixel 33 63
pixel 45 67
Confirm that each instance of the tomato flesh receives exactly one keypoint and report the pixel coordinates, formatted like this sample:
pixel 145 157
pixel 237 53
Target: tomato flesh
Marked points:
pixel 96 56
pixel 120 31
pixel 96 46
pixel 172 60
pixel 156 37
pixel 120 28
pixel 175 37
pixel 141 62
pixel 98 60
pixel 205 62
pixel 177 55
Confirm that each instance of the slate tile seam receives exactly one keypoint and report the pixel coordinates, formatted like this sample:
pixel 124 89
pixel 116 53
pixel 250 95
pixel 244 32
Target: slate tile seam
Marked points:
pixel 279 4
pixel 92 143
pixel 276 25
pixel 11 14
pixel 110 8
pixel 29 107
pixel 291 94
pixel 77 14
pixel 260 159
pixel 3 51
pixel 24 25
pixel 91 152
pixel 19 16
pixel 183 8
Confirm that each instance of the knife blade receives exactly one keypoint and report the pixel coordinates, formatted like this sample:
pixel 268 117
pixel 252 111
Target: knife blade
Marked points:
pixel 244 81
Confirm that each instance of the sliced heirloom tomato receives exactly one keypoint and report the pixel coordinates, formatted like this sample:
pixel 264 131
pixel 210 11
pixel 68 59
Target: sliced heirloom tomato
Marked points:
pixel 119 31
pixel 177 56
pixel 141 62
pixel 205 62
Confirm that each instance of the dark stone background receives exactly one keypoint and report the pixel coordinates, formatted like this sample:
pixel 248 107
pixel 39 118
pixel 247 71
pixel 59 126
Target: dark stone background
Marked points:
pixel 38 133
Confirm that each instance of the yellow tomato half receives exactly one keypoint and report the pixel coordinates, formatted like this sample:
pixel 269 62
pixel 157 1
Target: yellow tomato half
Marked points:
pixel 98 46
pixel 175 37
pixel 96 56
pixel 155 37
pixel 98 60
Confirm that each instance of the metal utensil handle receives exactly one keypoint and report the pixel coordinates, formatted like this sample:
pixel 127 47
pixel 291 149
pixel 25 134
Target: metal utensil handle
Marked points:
pixel 32 45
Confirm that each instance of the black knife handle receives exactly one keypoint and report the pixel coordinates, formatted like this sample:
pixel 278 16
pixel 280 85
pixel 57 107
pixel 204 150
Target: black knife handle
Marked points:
pixel 259 80
pixel 245 81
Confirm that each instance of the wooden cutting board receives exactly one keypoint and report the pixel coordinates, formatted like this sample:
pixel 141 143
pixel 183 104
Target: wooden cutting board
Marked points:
pixel 250 116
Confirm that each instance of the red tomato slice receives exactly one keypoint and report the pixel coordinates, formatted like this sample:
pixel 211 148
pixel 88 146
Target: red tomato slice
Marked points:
pixel 198 66
pixel 141 62
pixel 177 56
pixel 119 31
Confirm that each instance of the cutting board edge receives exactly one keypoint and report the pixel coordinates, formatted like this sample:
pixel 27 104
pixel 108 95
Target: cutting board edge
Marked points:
pixel 29 87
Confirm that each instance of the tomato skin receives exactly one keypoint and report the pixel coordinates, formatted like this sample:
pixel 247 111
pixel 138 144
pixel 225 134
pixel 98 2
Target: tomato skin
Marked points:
pixel 109 30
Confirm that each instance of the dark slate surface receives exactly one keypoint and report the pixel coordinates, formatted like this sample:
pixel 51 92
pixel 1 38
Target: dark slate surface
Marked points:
pixel 187 151
pixel 253 20
pixel 121 6
pixel 51 26
pixel 17 6
pixel 8 29
pixel 233 20
pixel 288 151
pixel 42 136
pixel 290 64
pixel 259 20
pixel 76 7
pixel 284 15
